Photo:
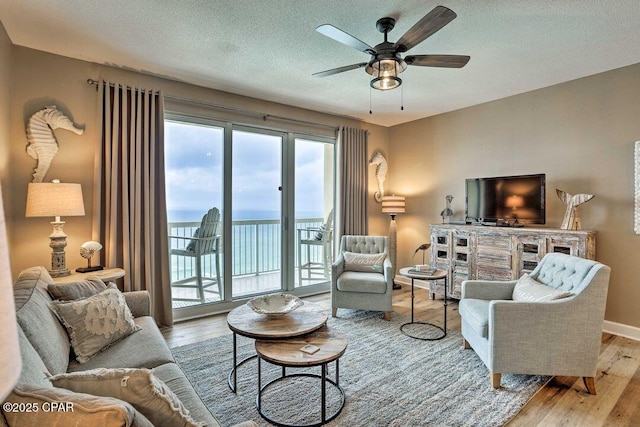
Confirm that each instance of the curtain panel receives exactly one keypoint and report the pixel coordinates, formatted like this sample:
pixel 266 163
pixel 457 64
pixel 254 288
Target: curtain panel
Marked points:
pixel 352 182
pixel 129 201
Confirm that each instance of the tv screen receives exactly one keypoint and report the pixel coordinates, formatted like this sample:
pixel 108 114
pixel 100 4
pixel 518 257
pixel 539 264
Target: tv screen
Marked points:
pixel 508 198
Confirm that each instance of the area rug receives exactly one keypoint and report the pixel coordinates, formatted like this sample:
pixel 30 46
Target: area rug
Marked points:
pixel 389 379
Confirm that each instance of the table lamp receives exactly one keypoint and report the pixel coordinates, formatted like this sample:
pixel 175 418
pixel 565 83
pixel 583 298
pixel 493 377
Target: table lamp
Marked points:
pixel 55 199
pixel 10 361
pixel 393 205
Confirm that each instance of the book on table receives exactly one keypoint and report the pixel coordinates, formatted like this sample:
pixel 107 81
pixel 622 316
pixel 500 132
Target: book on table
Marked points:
pixel 426 273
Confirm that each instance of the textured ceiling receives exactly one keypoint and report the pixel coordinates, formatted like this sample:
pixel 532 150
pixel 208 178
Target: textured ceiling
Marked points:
pixel 269 48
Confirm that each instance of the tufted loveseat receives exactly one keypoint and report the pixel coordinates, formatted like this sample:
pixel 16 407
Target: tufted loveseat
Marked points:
pixel 554 330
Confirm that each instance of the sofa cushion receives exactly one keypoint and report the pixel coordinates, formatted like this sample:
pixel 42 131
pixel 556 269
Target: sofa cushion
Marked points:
pixel 39 324
pixel 96 322
pixel 367 263
pixel 81 409
pixel 144 349
pixel 475 312
pixel 33 372
pixel 139 387
pixel 530 290
pixel 353 281
pixel 76 290
pixel 174 378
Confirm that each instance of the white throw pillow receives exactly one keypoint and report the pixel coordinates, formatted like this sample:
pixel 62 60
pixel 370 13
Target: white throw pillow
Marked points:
pixel 368 263
pixel 96 322
pixel 530 290
pixel 138 387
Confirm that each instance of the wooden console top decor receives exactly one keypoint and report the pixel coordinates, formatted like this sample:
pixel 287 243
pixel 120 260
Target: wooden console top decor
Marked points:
pixel 500 253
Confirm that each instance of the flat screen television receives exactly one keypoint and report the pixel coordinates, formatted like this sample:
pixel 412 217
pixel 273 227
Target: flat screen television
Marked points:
pixel 519 199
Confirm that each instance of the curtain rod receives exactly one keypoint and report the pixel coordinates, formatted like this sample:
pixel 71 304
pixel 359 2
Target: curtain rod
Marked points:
pixel 264 116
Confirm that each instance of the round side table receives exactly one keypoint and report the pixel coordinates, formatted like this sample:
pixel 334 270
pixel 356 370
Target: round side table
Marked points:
pixel 423 275
pixel 288 353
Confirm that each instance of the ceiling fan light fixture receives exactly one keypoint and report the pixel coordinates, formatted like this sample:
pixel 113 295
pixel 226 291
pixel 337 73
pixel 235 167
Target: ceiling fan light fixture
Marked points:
pixel 385 72
pixel 386 82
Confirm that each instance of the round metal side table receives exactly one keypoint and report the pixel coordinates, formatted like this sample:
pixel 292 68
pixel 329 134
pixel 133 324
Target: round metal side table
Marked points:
pixel 423 275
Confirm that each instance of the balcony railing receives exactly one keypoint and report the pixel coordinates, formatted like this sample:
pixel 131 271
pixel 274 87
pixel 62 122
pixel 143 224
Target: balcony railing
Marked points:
pixel 257 248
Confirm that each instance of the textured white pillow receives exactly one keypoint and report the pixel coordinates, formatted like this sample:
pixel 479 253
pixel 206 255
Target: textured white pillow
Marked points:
pixel 369 263
pixel 96 322
pixel 139 387
pixel 530 290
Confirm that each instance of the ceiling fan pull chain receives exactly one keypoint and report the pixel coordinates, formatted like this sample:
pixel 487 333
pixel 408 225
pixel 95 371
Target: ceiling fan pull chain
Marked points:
pixel 401 98
pixel 370 112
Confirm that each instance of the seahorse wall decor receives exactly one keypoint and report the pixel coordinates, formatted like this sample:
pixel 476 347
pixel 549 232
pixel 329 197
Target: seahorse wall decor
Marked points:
pixel 42 143
pixel 571 221
pixel 381 174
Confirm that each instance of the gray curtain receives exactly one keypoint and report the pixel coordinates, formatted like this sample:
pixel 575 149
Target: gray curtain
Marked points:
pixel 129 201
pixel 352 182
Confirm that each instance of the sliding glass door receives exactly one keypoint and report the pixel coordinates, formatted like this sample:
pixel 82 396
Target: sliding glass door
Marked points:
pixel 250 212
pixel 194 191
pixel 256 188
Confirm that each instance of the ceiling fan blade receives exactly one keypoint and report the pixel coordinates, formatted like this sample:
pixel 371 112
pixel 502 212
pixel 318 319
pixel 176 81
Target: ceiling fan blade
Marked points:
pixel 339 70
pixel 426 27
pixel 446 61
pixel 344 38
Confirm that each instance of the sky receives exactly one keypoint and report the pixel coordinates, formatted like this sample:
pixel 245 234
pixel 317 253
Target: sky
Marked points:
pixel 194 172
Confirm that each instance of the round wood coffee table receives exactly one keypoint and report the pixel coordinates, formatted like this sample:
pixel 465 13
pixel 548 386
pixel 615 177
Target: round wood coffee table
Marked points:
pixel 288 353
pixel 244 321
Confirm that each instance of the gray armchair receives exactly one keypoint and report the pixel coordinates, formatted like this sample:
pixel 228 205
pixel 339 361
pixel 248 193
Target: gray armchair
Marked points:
pixel 358 285
pixel 554 337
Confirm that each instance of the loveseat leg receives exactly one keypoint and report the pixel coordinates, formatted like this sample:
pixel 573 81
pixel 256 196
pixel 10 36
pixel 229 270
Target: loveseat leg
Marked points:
pixel 590 384
pixel 334 312
pixel 387 315
pixel 466 344
pixel 495 379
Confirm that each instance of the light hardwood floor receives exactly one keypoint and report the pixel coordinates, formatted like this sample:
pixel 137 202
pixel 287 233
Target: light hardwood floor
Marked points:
pixel 563 401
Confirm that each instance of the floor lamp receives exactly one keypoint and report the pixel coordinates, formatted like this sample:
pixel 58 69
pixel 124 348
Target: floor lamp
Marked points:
pixel 55 199
pixel 393 205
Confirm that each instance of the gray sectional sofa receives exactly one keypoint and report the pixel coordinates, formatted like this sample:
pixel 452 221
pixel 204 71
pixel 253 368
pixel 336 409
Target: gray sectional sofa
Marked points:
pixel 45 349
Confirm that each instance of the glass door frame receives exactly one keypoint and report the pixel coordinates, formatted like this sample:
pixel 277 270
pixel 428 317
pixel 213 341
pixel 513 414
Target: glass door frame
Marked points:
pixel 288 228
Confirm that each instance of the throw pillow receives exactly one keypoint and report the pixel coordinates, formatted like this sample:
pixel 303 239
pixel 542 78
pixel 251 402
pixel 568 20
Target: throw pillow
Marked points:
pixel 60 407
pixel 76 290
pixel 369 263
pixel 96 322
pixel 530 290
pixel 191 247
pixel 139 387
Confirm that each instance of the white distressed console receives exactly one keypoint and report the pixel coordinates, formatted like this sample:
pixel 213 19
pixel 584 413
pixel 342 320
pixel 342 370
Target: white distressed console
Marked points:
pixel 499 253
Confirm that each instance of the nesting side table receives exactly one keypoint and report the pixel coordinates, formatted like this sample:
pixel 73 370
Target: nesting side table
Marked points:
pixel 433 275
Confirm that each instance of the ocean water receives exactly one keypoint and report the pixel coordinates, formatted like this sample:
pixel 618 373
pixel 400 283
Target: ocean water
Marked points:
pixel 195 215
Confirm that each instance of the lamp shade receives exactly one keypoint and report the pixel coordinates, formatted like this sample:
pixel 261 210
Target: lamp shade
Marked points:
pixel 10 362
pixel 54 199
pixel 393 205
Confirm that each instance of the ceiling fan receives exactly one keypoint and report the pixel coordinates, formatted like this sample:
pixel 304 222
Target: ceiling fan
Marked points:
pixel 386 63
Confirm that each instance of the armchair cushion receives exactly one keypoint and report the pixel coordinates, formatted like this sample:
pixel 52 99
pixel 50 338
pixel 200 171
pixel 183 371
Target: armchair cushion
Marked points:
pixel 366 263
pixel 354 281
pixel 529 289
pixel 191 247
pixel 476 313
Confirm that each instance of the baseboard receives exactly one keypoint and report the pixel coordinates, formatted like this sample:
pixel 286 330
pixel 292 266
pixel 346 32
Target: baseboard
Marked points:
pixel 609 327
pixel 620 329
